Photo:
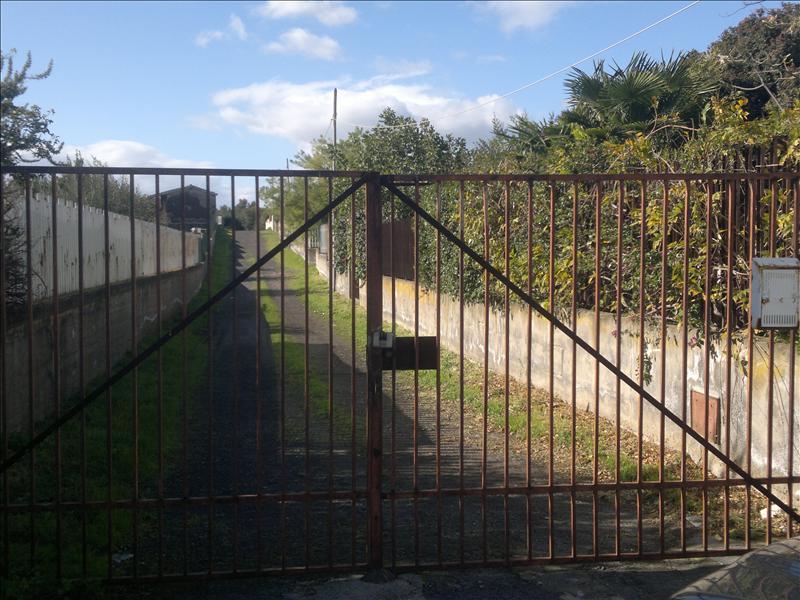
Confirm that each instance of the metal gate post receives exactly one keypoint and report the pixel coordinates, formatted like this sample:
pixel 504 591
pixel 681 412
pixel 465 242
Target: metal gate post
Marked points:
pixel 374 372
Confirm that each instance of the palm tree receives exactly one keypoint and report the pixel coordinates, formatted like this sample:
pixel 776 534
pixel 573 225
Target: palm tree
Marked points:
pixel 644 97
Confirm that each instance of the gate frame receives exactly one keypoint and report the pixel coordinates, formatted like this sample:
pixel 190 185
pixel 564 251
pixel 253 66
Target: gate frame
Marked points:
pixel 374 184
pixel 375 317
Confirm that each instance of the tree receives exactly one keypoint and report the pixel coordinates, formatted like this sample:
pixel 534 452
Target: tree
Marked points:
pixel 24 128
pixel 644 97
pixel 760 57
pixel 245 215
pixel 397 144
pixel 93 189
pixel 24 136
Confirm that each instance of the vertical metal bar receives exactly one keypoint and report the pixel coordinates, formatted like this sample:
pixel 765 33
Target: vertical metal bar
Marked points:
pixel 210 237
pixel 598 246
pixel 4 568
pixel 529 344
pixel 506 383
pixel 393 442
pixel 707 366
pixel 330 374
pixel 461 374
pixel 551 374
pixel 56 368
pixel 663 391
pixel 685 337
pixel 729 325
pixel 438 377
pixel 82 378
pixel 374 373
pixel 353 457
pixel 134 381
pixel 31 378
pixel 415 473
pixel 282 200
pixel 306 390
pixel 773 208
pixel 751 253
pixel 235 332
pixel 795 192
pixel 484 446
pixel 109 414
pixel 259 417
pixel 618 363
pixel 640 429
pixel 184 400
pixel 159 386
pixel 573 463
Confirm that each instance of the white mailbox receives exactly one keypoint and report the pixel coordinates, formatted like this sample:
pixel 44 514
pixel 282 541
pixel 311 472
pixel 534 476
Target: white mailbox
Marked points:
pixel 775 289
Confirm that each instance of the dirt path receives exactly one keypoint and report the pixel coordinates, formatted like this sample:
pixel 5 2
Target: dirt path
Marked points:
pixel 313 385
pixel 413 528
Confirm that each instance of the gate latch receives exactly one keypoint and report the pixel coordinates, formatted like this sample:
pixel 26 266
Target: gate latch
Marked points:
pixel 383 340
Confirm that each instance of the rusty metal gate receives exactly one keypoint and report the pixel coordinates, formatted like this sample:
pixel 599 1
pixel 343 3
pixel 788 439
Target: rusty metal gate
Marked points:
pixel 569 373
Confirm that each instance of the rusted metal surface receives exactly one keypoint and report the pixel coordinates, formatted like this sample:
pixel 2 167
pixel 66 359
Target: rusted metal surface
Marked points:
pixel 374 374
pixel 503 432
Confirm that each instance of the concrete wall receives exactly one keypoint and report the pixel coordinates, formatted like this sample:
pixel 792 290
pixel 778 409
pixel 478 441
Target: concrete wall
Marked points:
pixel 629 358
pixel 94 247
pixel 629 362
pixel 94 336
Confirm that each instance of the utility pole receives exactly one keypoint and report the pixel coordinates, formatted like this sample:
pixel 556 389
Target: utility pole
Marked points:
pixel 335 93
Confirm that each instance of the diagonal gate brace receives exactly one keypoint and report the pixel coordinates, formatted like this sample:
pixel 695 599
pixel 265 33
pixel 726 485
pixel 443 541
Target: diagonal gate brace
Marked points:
pixel 177 328
pixel 594 353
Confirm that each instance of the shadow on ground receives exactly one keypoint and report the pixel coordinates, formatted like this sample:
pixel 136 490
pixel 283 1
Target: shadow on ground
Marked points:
pixel 602 581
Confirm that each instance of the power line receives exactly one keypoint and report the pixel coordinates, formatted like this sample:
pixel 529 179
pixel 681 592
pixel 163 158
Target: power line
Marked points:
pixel 546 77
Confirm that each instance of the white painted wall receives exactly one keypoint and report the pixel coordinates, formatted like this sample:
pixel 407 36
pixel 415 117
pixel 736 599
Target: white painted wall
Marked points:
pixel 94 247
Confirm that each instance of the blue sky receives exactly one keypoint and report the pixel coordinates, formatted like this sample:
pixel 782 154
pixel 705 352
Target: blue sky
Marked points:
pixel 246 84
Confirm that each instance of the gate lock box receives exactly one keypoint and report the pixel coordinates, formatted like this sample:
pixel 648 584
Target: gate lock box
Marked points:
pixel 403 354
pixel 775 293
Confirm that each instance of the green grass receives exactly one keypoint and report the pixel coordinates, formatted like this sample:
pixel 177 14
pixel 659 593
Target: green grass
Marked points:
pixel 159 426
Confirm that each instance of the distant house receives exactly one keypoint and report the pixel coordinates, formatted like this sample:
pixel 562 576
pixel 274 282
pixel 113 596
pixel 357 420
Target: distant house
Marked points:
pixel 195 213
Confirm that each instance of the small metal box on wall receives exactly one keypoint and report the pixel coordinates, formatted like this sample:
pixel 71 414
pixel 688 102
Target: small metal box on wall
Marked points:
pixel 775 290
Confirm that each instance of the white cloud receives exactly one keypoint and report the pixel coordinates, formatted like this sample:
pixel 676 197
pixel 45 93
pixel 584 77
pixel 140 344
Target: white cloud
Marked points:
pixel 237 26
pixel 522 15
pixel 301 111
pixel 204 38
pixel 300 41
pixel 127 153
pixel 330 13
